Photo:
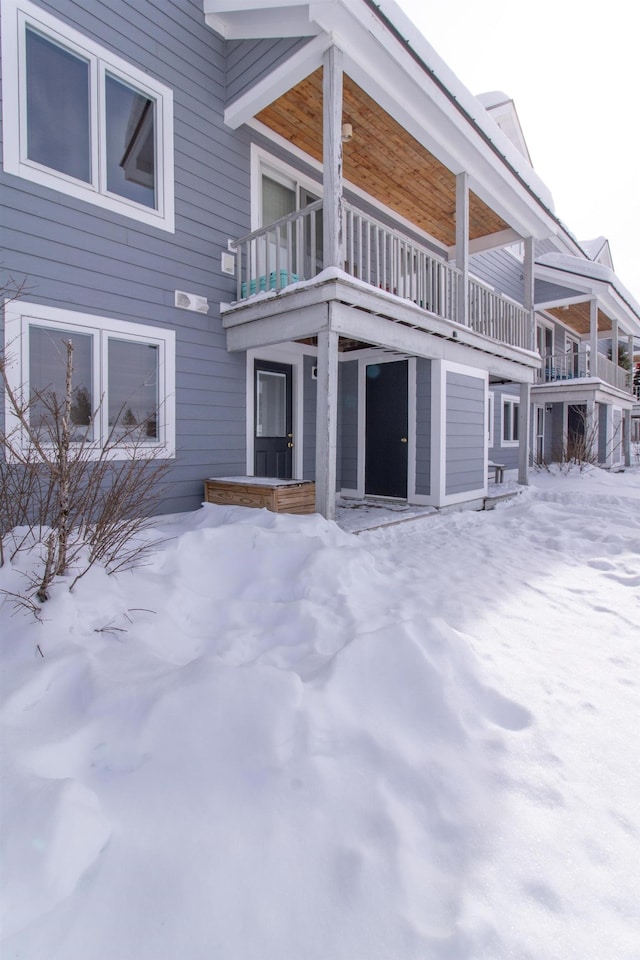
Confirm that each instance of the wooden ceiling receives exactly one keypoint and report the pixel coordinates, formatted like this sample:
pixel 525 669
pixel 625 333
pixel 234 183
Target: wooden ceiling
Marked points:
pixel 382 158
pixel 578 317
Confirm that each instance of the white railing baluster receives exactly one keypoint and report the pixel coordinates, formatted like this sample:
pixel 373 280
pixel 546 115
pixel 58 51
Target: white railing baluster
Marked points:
pixel 312 228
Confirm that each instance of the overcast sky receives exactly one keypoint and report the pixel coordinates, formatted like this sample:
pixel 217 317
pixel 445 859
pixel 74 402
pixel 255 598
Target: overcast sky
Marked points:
pixel 573 70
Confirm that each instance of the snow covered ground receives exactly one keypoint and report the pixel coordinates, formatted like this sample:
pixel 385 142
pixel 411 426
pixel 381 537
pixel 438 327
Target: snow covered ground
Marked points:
pixel 281 741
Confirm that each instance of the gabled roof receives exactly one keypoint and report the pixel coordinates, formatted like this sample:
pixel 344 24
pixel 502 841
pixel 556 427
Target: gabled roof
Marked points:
pixel 503 110
pixel 598 250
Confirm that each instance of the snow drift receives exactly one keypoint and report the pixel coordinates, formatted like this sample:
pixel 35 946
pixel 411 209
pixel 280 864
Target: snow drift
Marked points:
pixel 281 741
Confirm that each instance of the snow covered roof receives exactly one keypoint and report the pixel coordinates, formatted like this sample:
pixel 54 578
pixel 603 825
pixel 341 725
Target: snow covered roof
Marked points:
pixel 594 278
pixel 598 250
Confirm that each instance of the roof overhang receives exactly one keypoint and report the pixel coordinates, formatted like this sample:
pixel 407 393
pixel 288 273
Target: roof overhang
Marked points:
pixel 390 60
pixel 246 19
pixel 595 281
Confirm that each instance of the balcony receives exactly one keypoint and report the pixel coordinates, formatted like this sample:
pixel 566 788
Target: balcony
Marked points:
pixel 290 250
pixel 562 367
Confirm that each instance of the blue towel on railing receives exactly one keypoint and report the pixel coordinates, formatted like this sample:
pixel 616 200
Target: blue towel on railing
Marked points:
pixel 261 283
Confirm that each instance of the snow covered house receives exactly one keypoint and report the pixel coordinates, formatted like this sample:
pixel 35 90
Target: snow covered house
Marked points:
pixel 289 241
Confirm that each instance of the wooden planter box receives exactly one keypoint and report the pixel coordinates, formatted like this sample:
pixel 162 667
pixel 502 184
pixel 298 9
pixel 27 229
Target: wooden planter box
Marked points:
pixel 279 496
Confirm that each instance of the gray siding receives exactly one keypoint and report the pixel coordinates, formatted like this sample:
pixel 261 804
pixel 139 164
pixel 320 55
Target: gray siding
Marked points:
pixel 544 246
pixel 465 437
pixel 548 292
pixel 423 427
pixel 76 255
pixel 248 61
pixel 309 417
pixel 348 425
pixel 501 271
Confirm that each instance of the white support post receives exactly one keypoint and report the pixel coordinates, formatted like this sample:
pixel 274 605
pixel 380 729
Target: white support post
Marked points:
pixel 529 295
pixel 591 430
pixel 332 84
pixel 608 436
pixel 614 341
pixel 524 433
pixel 631 365
pixel 593 337
pixel 438 432
pixel 627 438
pixel 327 422
pixel 462 246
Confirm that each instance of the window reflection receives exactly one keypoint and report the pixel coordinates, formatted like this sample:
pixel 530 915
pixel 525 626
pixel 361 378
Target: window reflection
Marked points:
pixel 58 113
pixel 133 389
pixel 271 404
pixel 131 160
pixel 47 377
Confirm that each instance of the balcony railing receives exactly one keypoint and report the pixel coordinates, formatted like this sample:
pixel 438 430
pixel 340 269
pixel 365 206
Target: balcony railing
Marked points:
pixel 572 366
pixel 613 374
pixel 290 250
pixel 390 261
pixel 498 318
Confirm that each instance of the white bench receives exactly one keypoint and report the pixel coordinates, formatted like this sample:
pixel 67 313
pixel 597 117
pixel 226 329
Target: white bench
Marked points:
pixel 498 471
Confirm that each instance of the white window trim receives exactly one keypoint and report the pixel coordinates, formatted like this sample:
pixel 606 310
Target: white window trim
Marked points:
pixel 544 324
pixel 491 407
pixel 264 163
pixel 19 316
pixel 515 404
pixel 16 16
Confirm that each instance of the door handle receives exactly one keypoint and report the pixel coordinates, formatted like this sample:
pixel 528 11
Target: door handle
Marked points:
pixel 403 440
pixel 289 445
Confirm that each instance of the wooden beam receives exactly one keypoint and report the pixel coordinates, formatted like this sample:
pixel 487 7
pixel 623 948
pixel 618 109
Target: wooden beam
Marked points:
pixel 327 423
pixel 332 85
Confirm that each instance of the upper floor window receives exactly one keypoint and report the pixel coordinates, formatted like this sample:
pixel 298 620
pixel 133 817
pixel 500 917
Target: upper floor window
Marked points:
pixel 82 121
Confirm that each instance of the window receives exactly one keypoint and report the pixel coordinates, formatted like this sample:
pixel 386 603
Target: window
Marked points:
pixel 544 339
pixel 271 403
pixel 123 386
pixel 510 412
pixel 279 190
pixel 82 121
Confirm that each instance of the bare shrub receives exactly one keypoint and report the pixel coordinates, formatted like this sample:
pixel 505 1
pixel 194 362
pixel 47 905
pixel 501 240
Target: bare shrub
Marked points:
pixel 71 502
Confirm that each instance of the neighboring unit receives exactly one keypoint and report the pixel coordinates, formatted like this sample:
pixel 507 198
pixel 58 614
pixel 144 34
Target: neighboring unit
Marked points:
pixel 288 241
